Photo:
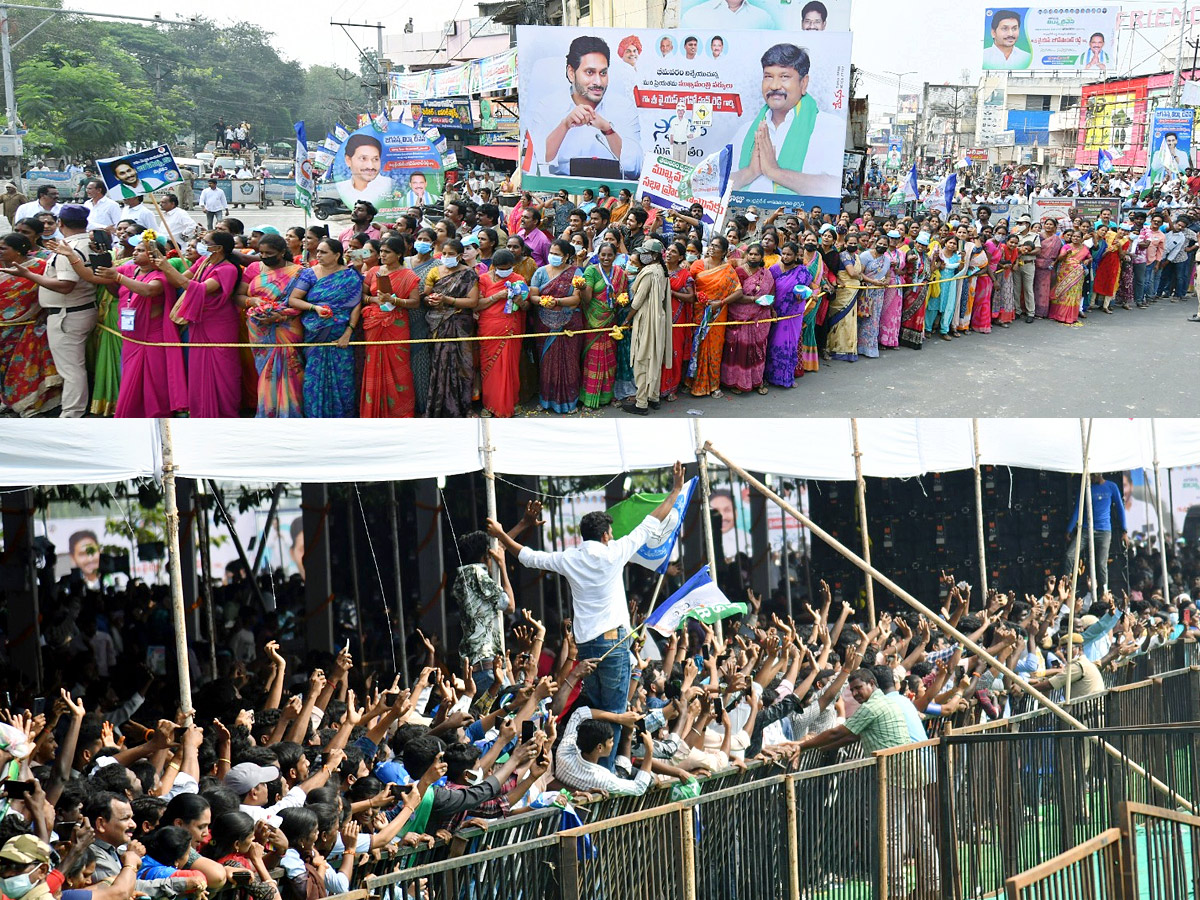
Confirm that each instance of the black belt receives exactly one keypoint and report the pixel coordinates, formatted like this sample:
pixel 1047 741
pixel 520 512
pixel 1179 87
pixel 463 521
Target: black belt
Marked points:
pixel 71 309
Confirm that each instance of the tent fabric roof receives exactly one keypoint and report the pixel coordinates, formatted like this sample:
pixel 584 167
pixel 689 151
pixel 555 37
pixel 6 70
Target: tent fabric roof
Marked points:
pixel 55 451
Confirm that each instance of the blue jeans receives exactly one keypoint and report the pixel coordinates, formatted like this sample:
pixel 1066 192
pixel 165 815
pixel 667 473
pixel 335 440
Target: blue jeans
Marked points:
pixel 484 677
pixel 1176 279
pixel 1139 283
pixel 1155 277
pixel 608 687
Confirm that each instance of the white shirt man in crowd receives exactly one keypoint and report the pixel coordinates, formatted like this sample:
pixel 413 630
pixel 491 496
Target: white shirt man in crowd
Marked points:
pixel 137 210
pixel 590 738
pixel 213 201
pixel 601 612
pixel 103 212
pixel 45 201
pixel 181 224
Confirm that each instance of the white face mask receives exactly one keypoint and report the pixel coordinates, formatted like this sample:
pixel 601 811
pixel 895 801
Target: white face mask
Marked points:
pixel 449 261
pixel 202 248
pixel 503 273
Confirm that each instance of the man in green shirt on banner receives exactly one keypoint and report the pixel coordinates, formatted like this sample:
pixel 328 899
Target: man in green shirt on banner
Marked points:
pixel 783 149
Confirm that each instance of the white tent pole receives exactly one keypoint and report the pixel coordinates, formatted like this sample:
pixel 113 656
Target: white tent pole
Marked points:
pixel 1162 526
pixel 1085 496
pixel 983 584
pixel 705 512
pixel 1093 576
pixel 489 486
pixel 941 623
pixel 861 491
pixel 178 613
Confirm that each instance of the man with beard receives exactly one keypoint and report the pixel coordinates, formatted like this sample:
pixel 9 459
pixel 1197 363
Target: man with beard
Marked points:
pixel 361 221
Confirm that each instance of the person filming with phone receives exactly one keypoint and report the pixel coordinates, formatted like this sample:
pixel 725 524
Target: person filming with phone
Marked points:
pixel 601 611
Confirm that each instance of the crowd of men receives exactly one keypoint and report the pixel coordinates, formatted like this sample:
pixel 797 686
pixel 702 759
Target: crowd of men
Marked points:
pixel 298 768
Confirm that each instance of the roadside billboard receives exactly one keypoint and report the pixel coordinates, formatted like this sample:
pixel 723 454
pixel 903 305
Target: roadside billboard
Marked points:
pixel 589 117
pixel 1042 39
pixel 392 169
pixel 1170 142
pixel 774 15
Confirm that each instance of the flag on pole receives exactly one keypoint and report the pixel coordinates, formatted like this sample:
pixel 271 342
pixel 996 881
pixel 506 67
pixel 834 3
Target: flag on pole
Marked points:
pixel 1143 184
pixel 943 199
pixel 910 185
pixel 699 599
pixel 627 515
pixel 1074 174
pixel 306 185
pixel 1105 161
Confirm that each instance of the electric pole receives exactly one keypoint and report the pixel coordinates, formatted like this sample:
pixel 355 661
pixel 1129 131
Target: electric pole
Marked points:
pixel 1177 81
pixel 376 64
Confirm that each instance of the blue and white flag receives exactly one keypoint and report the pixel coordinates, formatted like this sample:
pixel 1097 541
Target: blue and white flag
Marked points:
pixel 306 185
pixel 655 554
pixel 1105 161
pixel 910 185
pixel 699 598
pixel 1074 174
pixel 1143 183
pixel 943 198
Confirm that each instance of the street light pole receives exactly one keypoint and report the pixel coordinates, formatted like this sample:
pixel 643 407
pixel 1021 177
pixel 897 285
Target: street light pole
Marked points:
pixel 899 88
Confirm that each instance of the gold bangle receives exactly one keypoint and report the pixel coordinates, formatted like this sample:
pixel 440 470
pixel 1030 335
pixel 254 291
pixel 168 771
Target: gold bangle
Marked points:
pixel 224 759
pixel 174 764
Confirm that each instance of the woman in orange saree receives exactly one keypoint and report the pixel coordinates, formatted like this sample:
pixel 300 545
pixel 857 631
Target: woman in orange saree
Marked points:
pixel 717 285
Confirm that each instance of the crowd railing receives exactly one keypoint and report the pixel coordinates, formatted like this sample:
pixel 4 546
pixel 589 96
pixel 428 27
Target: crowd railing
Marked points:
pixel 1093 869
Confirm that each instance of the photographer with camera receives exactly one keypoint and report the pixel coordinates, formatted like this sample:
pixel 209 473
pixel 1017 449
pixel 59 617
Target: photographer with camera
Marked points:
pixel 70 304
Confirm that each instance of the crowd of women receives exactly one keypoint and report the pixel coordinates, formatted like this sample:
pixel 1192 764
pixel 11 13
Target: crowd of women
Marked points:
pixel 572 311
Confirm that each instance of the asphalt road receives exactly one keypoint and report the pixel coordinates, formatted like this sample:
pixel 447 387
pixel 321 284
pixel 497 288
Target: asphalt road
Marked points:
pixel 1138 362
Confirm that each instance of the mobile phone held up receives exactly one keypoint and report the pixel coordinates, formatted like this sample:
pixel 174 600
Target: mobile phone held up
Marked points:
pixel 527 731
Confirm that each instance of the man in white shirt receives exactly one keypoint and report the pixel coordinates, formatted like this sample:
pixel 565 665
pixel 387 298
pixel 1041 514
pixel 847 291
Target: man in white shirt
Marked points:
pixel 1004 53
pixel 182 225
pixel 45 201
pixel 591 124
pixel 213 201
pixel 785 147
pixel 725 14
pixel 590 738
pixel 103 213
pixel 601 612
pixel 249 781
pixel 137 211
pixel 363 155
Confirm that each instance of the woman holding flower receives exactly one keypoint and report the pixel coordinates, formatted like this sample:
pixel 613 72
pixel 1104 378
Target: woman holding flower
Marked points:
pixel 558 291
pixel 606 289
pixel 391 295
pixel 503 297
pixel 746 345
pixel 263 294
pixel 451 295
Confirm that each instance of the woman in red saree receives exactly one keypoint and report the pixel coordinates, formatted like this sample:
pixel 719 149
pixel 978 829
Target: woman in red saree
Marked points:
pixel 683 293
pixel 717 285
pixel 500 316
pixel 29 383
pixel 391 293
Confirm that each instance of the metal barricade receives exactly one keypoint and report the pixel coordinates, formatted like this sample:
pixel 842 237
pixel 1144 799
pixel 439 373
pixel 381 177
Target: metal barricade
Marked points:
pixel 908 787
pixel 745 836
pixel 1161 852
pixel 837 818
pixel 1093 869
pixel 647 855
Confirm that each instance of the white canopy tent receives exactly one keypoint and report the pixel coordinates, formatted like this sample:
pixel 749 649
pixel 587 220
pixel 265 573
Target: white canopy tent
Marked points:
pixel 93 451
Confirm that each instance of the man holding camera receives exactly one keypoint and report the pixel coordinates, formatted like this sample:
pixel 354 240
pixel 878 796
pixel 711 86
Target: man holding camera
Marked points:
pixel 70 303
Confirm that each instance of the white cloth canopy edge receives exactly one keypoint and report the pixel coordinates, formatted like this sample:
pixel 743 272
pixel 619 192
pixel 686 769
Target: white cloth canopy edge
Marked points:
pixel 246 450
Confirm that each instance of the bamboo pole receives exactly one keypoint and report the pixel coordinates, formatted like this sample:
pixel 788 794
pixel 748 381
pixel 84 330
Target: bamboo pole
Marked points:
pixel 1093 576
pixel 178 615
pixel 395 526
pixel 942 624
pixel 1085 495
pixel 706 513
pixel 1162 526
pixel 862 520
pixel 489 484
pixel 983 582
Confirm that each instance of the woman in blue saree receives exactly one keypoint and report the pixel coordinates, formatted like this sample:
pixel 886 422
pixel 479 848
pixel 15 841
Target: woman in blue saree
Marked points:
pixel 329 296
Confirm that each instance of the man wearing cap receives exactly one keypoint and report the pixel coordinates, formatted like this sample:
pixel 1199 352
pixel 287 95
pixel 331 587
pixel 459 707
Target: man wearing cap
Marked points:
pixel 25 865
pixel 249 781
pixel 11 200
pixel 1026 269
pixel 71 306
pixel 1083 674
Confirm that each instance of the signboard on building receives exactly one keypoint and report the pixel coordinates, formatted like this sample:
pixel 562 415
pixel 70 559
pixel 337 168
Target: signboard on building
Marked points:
pixel 449 115
pixel 977 154
pixel 620 119
pixel 773 15
pixel 1048 39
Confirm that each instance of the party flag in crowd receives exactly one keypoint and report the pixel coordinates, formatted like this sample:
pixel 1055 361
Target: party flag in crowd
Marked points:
pixel 305 185
pixel 699 599
pixel 628 514
pixel 1105 161
pixel 910 185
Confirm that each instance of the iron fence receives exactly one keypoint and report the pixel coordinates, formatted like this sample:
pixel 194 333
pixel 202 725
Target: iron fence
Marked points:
pixel 1091 870
pixel 1161 853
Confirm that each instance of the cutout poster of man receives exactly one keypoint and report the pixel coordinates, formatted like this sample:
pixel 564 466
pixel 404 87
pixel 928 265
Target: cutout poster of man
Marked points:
pixel 779 102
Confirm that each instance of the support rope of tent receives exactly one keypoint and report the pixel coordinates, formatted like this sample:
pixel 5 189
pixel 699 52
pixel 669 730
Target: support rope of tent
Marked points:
pixel 945 626
pixel 379 576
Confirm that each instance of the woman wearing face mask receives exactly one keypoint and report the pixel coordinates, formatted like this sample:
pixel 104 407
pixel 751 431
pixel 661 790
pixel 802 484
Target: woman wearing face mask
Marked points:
pixel 943 299
pixel 980 305
pixel 1005 257
pixel 1067 295
pixel 683 293
pixel 649 336
pixel 500 317
pixel 717 285
pixel 745 354
pixel 263 294
pixel 783 339
pixel 876 265
pixel 914 272
pixel 559 374
pixel 391 299
pixel 329 297
pixel 841 342
pixel 605 284
pixel 451 293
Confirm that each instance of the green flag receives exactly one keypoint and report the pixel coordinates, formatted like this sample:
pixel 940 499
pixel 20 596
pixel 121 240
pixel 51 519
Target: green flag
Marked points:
pixel 628 514
pixel 710 614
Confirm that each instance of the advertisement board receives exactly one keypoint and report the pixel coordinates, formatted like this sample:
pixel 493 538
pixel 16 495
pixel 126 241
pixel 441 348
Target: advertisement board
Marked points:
pixel 589 117
pixel 1112 122
pixel 977 155
pixel 775 15
pixel 498 73
pixel 1046 39
pixel 392 169
pixel 448 115
pixel 1170 142
pixel 1060 209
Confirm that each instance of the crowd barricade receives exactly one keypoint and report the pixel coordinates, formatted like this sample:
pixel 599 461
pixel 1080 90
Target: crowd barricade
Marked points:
pixel 1160 852
pixel 1093 869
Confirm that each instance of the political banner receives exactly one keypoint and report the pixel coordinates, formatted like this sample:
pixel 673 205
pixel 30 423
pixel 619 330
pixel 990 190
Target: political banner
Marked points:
pixel 456 81
pixel 673 185
pixel 392 169
pixel 977 155
pixel 1041 39
pixel 1170 142
pixel 139 173
pixel 498 73
pixel 772 15
pixel 453 115
pixel 495 115
pixel 590 117
pixel 306 185
pixel 407 86
pixel 1060 209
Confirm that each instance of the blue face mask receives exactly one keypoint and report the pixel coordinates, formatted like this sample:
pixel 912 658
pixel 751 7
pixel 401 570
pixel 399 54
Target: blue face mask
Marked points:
pixel 17 885
pixel 555 259
pixel 422 246
pixel 449 261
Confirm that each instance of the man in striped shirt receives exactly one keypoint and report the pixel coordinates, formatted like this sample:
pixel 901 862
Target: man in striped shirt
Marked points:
pixel 589 739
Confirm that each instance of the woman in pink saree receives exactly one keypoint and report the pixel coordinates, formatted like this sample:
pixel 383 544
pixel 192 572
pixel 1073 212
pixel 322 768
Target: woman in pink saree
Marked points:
pixel 207 307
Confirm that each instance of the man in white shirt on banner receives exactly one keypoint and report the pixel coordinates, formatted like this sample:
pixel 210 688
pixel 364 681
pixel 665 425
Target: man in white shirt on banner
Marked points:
pixel 595 571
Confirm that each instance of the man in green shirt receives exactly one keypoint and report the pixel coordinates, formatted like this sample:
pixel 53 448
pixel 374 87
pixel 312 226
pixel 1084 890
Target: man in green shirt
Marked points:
pixel 877 723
